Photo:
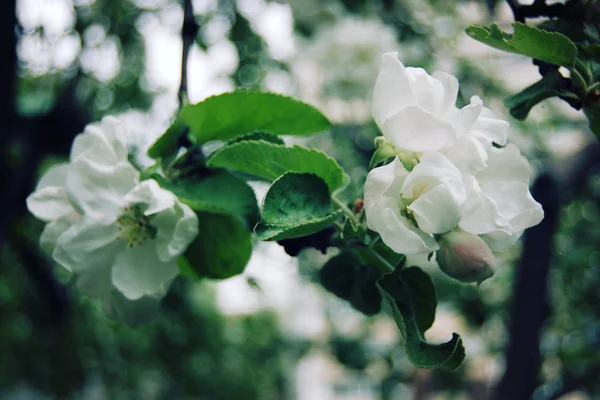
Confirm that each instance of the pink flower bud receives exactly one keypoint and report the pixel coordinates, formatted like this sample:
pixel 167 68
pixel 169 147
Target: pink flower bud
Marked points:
pixel 465 257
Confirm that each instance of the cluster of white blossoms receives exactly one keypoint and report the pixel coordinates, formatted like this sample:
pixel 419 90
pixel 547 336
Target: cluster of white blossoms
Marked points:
pixel 118 235
pixel 455 186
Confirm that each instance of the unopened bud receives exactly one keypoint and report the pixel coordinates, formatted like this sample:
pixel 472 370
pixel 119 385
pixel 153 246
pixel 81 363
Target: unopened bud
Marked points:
pixel 465 257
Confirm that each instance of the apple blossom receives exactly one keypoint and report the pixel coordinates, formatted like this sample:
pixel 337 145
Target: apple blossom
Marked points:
pixel 408 208
pixel 119 236
pixel 129 230
pixel 465 257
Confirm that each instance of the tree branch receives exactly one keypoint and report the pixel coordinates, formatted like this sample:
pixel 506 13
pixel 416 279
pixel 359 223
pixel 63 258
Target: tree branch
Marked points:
pixel 189 30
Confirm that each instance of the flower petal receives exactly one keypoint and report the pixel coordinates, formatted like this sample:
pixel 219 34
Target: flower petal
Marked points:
pixel 138 272
pixel 437 211
pixel 176 229
pixel 415 129
pixel 515 204
pixel 433 169
pixel 396 231
pixel 49 201
pixel 467 154
pixel 480 213
pixel 103 143
pixel 99 190
pixel 464 118
pixel 499 240
pixel 87 245
pixel 380 179
pixel 506 164
pixel 150 193
pixel 450 91
pixel 55 228
pixel 392 90
pixel 490 128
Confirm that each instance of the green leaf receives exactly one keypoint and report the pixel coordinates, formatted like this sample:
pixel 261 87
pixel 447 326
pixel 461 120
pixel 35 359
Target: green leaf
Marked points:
pixel 168 144
pixel 267 137
pixel 296 205
pixel 221 250
pixel 219 193
pixel 410 295
pixel 269 161
pixel 349 279
pixel 521 103
pixel 552 47
pixel 228 115
pixel 593 116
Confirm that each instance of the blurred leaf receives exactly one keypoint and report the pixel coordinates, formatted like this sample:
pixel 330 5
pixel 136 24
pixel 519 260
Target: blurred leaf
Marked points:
pixel 552 47
pixel 593 116
pixel 269 161
pixel 220 193
pixel 349 279
pixel 221 250
pixel 168 144
pixel 410 294
pixel 350 352
pixel 521 103
pixel 296 205
pixel 229 115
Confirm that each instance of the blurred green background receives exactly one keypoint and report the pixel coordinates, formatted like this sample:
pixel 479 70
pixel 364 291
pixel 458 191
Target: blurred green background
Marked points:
pixel 274 332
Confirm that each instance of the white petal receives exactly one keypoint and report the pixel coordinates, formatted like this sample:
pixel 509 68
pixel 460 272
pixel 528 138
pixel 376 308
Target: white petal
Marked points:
pixel 479 213
pixel 49 203
pixel 100 190
pixel 87 245
pixel 515 204
pixel 415 129
pixel 499 241
pixel 103 143
pixel 490 128
pixel 96 283
pixel 464 118
pixel 138 272
pixel 392 90
pixel 54 229
pixel 433 169
pixel 450 90
pixel 428 92
pixel 55 176
pixel 150 193
pixel 398 232
pixel 176 229
pixel 379 180
pixel 467 154
pixel 506 164
pixel 437 211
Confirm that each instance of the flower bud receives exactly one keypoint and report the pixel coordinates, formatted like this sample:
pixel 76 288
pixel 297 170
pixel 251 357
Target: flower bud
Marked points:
pixel 465 257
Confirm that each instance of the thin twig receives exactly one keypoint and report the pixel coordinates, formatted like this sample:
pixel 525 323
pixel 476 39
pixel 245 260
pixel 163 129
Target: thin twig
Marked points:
pixel 189 30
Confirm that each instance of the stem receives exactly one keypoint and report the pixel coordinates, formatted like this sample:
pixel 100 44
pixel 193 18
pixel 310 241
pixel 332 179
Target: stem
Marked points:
pixel 189 30
pixel 389 267
pixel 349 213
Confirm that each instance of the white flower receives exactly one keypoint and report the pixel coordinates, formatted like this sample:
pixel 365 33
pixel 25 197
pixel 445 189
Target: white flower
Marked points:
pixel 102 143
pixel 499 205
pixel 118 236
pixel 131 232
pixel 417 112
pixel 407 208
pixel 465 257
pixel 458 177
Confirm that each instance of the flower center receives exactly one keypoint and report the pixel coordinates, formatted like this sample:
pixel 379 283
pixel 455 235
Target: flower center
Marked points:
pixel 135 227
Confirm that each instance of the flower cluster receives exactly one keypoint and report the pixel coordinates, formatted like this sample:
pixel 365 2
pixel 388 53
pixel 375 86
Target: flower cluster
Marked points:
pixel 119 236
pixel 454 173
